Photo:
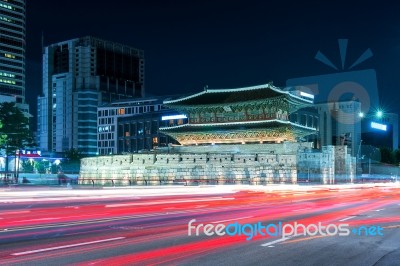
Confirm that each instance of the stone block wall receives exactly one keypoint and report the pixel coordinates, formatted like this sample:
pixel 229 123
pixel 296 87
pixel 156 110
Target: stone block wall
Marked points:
pixel 185 168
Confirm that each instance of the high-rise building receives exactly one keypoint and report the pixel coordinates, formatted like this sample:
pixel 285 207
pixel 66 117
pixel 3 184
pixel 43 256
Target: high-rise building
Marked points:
pixel 12 49
pixel 338 123
pixel 78 76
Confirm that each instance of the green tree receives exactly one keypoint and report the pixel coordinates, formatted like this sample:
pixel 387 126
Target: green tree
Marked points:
pixel 40 166
pixel 3 137
pixel 72 164
pixel 73 155
pixel 397 156
pixel 387 155
pixel 28 166
pixel 15 130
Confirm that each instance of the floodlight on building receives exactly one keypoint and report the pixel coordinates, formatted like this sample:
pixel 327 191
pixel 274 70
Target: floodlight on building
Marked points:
pixel 361 114
pixel 379 114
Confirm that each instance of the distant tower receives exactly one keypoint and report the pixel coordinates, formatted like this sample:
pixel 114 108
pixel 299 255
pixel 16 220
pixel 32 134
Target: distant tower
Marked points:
pixel 12 51
pixel 78 76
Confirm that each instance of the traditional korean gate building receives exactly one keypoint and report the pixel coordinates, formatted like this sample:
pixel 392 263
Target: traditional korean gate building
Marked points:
pixel 241 135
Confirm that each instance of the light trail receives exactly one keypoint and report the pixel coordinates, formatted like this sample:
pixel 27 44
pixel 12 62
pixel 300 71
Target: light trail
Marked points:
pixel 166 202
pixel 150 234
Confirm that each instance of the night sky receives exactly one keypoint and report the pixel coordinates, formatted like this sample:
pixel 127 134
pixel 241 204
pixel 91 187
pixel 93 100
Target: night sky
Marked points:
pixel 226 44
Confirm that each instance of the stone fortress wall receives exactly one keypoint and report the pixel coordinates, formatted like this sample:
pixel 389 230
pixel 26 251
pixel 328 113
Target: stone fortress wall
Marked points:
pixel 222 164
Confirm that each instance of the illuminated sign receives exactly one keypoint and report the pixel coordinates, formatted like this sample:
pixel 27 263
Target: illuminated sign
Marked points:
pixel 305 94
pixel 169 117
pixel 379 126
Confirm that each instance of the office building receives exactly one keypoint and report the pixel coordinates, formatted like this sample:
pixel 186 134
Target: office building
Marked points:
pixel 78 76
pixel 141 132
pixel 132 125
pixel 338 123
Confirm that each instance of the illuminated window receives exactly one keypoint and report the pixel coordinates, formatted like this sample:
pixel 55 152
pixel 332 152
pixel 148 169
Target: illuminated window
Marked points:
pixel 127 134
pixel 3 74
pixel 7 81
pixel 5 19
pixel 155 140
pixel 6 6
pixel 180 122
pixel 9 56
pixel 121 111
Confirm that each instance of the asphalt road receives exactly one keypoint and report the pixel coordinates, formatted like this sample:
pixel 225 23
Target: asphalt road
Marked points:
pixel 150 226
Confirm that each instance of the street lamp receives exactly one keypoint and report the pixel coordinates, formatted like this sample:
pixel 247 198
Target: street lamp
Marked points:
pixel 377 114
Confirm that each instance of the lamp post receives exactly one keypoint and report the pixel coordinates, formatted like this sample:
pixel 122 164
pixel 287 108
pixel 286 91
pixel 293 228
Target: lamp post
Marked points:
pixel 12 147
pixel 358 159
pixel 376 115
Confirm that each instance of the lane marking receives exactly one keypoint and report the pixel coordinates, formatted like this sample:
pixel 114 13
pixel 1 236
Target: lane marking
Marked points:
pixel 235 219
pixel 391 226
pixel 275 242
pixel 66 246
pixel 304 239
pixel 347 218
pixel 165 202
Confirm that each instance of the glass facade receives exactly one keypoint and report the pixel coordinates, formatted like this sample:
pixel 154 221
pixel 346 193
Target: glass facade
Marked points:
pixel 12 49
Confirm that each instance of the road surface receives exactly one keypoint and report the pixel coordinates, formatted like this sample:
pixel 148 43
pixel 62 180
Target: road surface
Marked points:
pixel 150 226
